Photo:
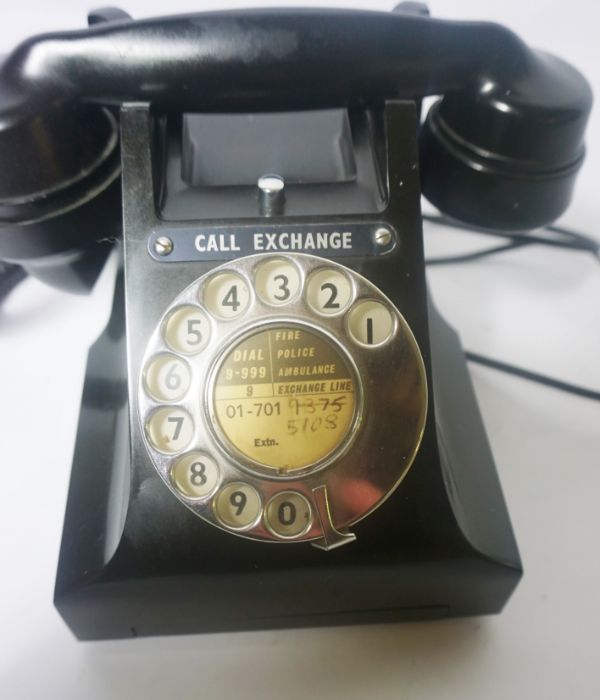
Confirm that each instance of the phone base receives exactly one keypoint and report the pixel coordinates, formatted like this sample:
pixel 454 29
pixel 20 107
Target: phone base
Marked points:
pixel 135 562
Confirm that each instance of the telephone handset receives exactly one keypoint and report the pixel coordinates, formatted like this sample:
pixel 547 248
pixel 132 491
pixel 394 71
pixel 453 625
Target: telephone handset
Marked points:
pixel 501 149
pixel 285 366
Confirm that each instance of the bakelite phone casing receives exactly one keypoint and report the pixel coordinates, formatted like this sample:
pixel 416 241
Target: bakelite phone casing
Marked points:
pixel 135 561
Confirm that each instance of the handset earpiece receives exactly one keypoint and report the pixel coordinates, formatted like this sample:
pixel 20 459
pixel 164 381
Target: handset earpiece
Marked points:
pixel 61 197
pixel 505 154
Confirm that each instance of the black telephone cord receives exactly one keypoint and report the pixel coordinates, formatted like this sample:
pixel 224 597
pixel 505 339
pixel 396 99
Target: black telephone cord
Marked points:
pixel 533 376
pixel 570 240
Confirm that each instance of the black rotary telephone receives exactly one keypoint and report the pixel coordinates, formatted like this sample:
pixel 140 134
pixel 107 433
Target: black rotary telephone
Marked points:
pixel 273 367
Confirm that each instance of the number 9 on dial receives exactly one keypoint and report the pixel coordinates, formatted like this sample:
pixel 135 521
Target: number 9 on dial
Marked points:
pixel 237 505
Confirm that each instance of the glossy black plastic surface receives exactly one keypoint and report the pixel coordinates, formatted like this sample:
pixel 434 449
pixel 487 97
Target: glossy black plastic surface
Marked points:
pixel 135 561
pixel 488 190
pixel 280 59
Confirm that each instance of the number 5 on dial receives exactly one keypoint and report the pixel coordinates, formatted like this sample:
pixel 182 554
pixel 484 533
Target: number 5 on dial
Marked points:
pixel 187 330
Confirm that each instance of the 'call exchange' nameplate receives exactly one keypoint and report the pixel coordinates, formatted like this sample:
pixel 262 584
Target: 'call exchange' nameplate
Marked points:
pixel 227 242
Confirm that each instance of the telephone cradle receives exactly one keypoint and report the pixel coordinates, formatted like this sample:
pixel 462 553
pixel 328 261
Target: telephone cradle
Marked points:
pixel 277 427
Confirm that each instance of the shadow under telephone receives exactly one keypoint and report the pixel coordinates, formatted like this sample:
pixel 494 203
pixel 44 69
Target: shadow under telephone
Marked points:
pixel 273 367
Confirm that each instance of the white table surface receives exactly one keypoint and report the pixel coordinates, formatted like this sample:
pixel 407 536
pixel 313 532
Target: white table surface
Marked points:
pixel 538 308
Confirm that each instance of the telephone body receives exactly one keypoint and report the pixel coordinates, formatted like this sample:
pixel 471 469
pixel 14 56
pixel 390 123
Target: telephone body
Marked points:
pixel 277 427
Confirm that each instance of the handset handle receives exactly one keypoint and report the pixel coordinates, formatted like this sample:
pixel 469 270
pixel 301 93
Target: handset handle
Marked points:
pixel 272 59
pixel 514 114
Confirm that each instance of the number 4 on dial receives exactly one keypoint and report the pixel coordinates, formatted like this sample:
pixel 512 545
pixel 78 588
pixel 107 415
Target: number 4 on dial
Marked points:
pixel 226 295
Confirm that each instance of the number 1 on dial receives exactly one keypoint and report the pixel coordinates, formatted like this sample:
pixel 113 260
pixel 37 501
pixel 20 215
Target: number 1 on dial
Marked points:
pixel 370 323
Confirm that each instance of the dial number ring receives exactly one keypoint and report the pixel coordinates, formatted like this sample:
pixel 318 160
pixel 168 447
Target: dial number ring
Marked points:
pixel 357 477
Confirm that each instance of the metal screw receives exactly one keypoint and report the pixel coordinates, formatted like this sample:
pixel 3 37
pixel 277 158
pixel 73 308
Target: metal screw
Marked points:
pixel 163 245
pixel 382 237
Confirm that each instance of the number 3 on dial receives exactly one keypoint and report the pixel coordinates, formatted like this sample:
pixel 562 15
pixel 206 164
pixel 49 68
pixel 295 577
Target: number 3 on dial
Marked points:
pixel 277 282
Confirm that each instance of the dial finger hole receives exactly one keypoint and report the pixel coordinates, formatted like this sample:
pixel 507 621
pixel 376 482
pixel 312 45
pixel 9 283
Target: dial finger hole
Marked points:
pixel 277 282
pixel 195 475
pixel 288 514
pixel 187 330
pixel 170 430
pixel 167 378
pixel 370 323
pixel 237 505
pixel 329 292
pixel 226 295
